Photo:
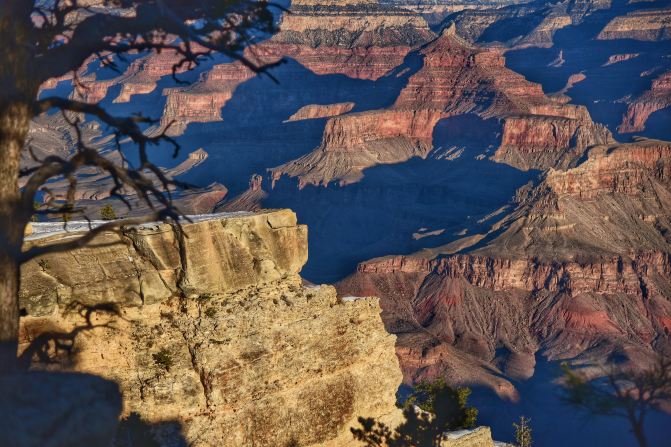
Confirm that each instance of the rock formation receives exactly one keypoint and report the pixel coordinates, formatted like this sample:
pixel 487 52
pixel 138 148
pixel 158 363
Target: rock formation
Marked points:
pixel 456 78
pixel 581 268
pixel 363 39
pixel 143 265
pixel 227 342
pixel 314 111
pixel 646 24
pixel 203 100
pixel 639 110
pixel 616 58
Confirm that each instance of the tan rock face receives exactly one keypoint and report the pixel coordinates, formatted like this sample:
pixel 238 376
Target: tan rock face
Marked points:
pixel 235 351
pixel 143 265
pixel 266 365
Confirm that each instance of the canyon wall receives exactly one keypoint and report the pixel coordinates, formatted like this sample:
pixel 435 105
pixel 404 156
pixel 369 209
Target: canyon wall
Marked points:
pixel 227 341
pixel 657 97
pixel 652 25
pixel 456 78
pixel 581 269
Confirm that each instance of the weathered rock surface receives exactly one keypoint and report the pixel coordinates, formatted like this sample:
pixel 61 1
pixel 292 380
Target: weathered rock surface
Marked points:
pixel 265 365
pixel 478 437
pixel 236 352
pixel 314 111
pixel 203 100
pixel 617 58
pixel 581 268
pixel 142 265
pixel 554 140
pixel 657 97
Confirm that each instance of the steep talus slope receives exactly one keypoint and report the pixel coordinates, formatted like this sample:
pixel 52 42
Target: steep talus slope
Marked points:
pixel 580 269
pixel 234 349
pixel 456 78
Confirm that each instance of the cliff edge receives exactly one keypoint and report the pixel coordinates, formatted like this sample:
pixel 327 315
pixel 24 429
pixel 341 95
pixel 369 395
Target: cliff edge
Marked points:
pixel 227 342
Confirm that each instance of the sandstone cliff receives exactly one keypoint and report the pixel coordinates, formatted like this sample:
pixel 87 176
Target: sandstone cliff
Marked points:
pixel 142 265
pixel 228 342
pixel 581 269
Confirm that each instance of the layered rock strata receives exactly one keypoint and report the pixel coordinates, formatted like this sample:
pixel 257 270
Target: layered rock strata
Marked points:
pixel 237 351
pixel 581 269
pixel 142 265
pixel 657 97
pixel 650 25
pixel 456 78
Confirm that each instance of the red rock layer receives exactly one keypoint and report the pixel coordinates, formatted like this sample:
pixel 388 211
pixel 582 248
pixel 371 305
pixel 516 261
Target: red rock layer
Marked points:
pixel 203 101
pixel 581 268
pixel 656 98
pixel 620 170
pixel 314 111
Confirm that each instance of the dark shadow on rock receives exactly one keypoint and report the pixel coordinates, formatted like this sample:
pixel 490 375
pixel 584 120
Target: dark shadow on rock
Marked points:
pixel 405 207
pixel 41 406
pixel 134 431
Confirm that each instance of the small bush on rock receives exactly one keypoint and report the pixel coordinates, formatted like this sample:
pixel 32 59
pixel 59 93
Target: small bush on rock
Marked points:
pixel 163 358
pixel 107 213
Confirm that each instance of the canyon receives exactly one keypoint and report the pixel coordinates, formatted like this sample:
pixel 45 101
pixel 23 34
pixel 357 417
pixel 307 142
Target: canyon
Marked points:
pixel 580 270
pixel 497 173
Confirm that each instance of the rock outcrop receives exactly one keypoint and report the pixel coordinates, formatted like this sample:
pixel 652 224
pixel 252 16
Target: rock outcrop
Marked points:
pixel 646 24
pixel 657 97
pixel 581 269
pixel 203 100
pixel 142 265
pixel 361 39
pixel 235 349
pixel 314 111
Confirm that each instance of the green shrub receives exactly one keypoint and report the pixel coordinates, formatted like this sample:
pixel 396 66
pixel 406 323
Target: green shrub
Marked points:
pixel 107 213
pixel 210 312
pixel 443 409
pixel 523 432
pixel 163 358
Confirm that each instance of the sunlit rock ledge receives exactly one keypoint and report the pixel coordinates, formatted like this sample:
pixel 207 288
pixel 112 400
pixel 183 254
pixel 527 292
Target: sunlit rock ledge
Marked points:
pixel 141 264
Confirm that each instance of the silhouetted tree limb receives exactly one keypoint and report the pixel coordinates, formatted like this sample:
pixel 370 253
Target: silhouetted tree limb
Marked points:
pixel 621 392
